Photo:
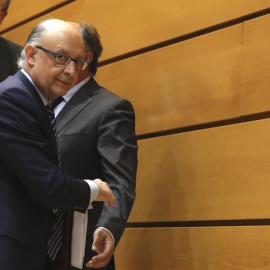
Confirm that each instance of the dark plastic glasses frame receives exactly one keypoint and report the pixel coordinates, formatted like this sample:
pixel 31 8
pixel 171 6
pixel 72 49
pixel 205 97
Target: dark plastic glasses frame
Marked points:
pixel 79 64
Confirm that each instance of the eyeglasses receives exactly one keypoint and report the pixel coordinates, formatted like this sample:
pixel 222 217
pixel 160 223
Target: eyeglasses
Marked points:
pixel 64 60
pixel 3 9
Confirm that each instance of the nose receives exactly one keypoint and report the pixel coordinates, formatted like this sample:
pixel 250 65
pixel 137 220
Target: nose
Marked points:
pixel 70 68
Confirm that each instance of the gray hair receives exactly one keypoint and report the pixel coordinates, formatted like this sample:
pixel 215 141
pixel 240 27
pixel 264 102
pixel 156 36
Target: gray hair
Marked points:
pixel 92 44
pixel 34 39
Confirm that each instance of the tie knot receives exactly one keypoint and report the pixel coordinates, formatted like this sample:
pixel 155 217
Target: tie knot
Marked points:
pixel 49 109
pixel 56 101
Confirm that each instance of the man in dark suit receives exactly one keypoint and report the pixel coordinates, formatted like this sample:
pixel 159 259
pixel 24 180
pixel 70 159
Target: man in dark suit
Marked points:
pixel 33 189
pixel 9 51
pixel 98 128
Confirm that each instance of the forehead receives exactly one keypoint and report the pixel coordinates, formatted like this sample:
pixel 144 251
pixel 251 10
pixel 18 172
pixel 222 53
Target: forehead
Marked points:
pixel 66 40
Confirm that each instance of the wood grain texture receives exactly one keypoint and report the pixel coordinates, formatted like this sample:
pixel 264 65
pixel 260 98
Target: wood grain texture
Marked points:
pixel 209 248
pixel 126 26
pixel 192 82
pixel 256 94
pixel 21 10
pixel 214 174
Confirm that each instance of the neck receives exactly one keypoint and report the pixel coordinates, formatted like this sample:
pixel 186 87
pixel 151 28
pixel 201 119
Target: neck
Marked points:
pixel 83 75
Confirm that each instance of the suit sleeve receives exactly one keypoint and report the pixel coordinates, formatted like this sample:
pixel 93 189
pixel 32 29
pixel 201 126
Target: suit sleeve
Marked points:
pixel 117 146
pixel 28 158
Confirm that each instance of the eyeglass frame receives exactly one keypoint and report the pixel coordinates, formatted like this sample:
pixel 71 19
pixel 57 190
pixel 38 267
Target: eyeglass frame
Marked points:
pixel 3 9
pixel 55 54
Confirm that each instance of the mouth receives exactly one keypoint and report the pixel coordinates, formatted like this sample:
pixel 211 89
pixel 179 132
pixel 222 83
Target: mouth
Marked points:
pixel 67 83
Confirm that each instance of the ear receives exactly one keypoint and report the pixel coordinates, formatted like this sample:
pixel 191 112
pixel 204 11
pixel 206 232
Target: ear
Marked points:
pixel 89 57
pixel 4 14
pixel 30 54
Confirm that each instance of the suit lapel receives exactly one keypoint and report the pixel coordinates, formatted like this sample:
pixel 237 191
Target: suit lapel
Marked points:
pixel 29 87
pixel 47 129
pixel 32 90
pixel 83 97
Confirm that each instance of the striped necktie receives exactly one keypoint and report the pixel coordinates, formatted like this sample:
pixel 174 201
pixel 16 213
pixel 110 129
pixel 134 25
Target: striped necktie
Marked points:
pixel 55 241
pixel 56 101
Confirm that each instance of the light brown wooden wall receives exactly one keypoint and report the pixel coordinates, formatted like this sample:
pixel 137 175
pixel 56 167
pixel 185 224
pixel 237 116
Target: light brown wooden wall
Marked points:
pixel 197 73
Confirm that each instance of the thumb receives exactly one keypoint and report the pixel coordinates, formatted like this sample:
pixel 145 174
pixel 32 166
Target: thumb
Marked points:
pixel 97 242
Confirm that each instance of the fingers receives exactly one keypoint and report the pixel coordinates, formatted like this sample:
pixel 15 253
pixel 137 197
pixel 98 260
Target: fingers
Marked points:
pixel 105 193
pixel 104 246
pixel 110 201
pixel 110 204
pixel 98 262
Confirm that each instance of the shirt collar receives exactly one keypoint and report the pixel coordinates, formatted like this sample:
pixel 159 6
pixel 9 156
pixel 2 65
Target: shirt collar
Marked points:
pixel 75 89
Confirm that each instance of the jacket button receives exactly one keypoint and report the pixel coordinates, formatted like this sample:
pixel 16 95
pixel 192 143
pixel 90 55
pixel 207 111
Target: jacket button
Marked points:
pixel 55 210
pixel 49 242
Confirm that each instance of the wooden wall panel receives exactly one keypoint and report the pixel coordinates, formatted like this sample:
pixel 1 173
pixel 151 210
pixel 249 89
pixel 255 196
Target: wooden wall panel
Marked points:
pixel 126 26
pixel 192 82
pixel 21 10
pixel 209 248
pixel 209 175
pixel 212 174
pixel 256 94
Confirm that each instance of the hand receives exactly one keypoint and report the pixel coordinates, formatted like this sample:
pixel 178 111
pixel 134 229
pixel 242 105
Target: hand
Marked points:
pixel 105 193
pixel 103 244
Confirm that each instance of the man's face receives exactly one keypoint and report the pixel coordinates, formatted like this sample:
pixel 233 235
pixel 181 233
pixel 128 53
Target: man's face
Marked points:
pixel 53 79
pixel 2 13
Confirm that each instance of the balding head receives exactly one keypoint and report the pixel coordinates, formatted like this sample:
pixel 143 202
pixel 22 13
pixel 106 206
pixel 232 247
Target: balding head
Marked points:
pixel 44 31
pixel 47 39
pixel 75 25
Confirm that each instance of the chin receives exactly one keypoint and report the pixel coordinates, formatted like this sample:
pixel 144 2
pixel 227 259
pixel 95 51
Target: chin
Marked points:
pixel 61 91
pixel 64 91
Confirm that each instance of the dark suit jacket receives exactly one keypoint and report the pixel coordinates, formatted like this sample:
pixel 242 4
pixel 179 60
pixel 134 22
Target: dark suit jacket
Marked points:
pixel 9 53
pixel 31 184
pixel 96 134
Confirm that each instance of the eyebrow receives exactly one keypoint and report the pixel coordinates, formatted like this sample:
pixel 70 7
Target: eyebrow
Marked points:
pixel 63 51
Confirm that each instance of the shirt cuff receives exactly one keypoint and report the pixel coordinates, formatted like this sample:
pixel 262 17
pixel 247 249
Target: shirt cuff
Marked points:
pixel 94 191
